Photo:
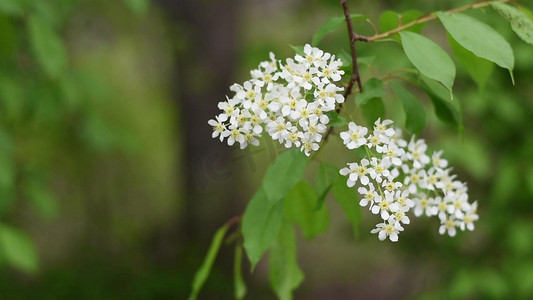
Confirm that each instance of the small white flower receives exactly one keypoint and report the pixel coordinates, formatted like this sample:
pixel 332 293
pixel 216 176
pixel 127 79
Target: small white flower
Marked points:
pixel 360 171
pixel 369 195
pixel 423 205
pixel 383 205
pixel 355 136
pixel 470 217
pixel 379 169
pixel 437 161
pixel 389 229
pixel 219 129
pixel 448 225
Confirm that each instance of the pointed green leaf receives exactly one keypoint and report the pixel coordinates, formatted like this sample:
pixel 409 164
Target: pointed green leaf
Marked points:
pixel 335 120
pixel 260 225
pixel 203 272
pixel 390 20
pixel 415 115
pixel 479 68
pixel 283 174
pixel 446 110
pixel 326 177
pixel 18 249
pixel 347 199
pixel 285 274
pixel 47 47
pixel 238 281
pixel 479 38
pixel 300 204
pixel 429 58
pixel 372 110
pixel 372 88
pixel 520 22
pixel 331 25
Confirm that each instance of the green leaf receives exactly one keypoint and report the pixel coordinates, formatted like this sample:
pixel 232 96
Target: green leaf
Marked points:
pixel 285 274
pixel 201 275
pixel 331 25
pixel 298 49
pixel 44 202
pixel 479 38
pixel 137 6
pixel 238 281
pixel 335 120
pixel 415 115
pixel 325 178
pixel 347 199
pixel 520 22
pixel 372 88
pixel 372 110
pixel 18 249
pixel 446 110
pixel 12 95
pixel 47 47
pixel 365 60
pixel 7 162
pixel 13 7
pixel 8 38
pixel 479 69
pixel 260 225
pixel 390 20
pixel 300 206
pixel 429 58
pixel 283 174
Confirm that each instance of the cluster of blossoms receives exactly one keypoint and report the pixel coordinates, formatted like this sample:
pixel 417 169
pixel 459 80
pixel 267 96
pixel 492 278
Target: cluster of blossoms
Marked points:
pixel 288 101
pixel 397 176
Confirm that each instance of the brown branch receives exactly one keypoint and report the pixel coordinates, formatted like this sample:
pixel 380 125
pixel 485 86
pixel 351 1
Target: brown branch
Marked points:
pixel 427 18
pixel 353 37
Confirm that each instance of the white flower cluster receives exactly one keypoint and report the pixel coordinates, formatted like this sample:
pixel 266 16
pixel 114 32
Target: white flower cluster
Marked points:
pixel 288 101
pixel 397 176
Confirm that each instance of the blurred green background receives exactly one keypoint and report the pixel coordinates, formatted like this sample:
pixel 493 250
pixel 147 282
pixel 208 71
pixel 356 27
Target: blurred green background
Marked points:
pixel 111 186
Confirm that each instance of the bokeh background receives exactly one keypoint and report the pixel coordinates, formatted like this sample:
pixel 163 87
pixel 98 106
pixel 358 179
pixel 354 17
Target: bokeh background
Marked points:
pixel 111 186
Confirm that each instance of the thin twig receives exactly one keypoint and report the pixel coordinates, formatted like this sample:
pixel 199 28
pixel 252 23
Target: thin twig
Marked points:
pixel 233 220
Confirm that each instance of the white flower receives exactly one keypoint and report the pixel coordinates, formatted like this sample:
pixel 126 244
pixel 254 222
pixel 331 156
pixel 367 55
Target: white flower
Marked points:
pixel 400 177
pixel 401 215
pixel 437 161
pixel 448 225
pixel 369 195
pixel 383 205
pixel 382 128
pixel 402 198
pixel 393 152
pixel 359 172
pixel 423 205
pixel 235 135
pixel 219 129
pixel 470 217
pixel 417 153
pixel 389 229
pixel 380 169
pixel 355 136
